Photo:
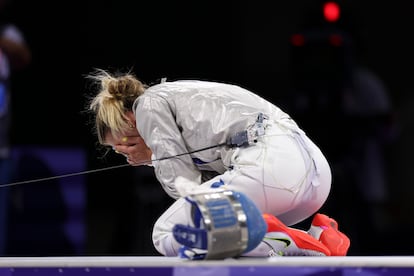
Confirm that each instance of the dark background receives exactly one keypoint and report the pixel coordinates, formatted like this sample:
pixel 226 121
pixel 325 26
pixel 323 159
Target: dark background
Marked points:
pixel 243 42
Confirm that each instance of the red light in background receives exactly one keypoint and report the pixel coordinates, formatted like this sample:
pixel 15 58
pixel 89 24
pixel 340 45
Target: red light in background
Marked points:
pixel 297 40
pixel 331 11
pixel 335 40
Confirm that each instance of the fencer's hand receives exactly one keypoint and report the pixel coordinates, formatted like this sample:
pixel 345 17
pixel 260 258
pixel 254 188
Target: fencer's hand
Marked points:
pixel 134 149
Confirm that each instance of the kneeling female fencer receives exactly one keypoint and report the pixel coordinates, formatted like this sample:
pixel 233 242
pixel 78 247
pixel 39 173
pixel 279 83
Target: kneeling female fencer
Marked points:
pixel 210 137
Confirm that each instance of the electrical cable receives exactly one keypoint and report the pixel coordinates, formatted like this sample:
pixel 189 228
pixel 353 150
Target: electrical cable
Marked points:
pixel 239 139
pixel 107 168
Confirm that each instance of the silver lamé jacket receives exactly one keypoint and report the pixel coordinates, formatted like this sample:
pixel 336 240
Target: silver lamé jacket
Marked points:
pixel 183 116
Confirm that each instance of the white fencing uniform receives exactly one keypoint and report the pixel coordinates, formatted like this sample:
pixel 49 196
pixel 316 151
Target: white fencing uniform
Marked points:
pixel 284 173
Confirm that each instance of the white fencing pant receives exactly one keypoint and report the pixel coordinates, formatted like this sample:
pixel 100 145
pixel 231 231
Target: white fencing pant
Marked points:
pixel 284 174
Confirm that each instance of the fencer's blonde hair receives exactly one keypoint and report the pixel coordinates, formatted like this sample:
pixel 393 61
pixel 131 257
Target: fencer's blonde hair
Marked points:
pixel 116 95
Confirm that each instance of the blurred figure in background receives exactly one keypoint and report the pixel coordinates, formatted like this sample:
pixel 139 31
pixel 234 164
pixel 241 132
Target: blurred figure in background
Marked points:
pixel 15 55
pixel 329 80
